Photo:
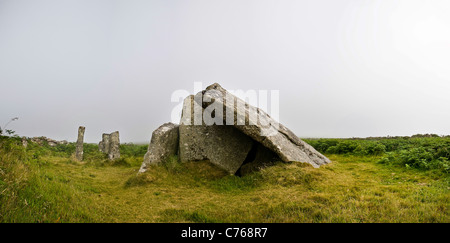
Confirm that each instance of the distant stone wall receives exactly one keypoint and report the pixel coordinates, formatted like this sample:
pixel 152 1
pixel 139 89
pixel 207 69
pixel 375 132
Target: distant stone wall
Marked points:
pixel 43 140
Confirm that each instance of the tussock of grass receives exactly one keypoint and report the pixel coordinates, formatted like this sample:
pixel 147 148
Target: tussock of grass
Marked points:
pixel 139 180
pixel 236 185
pixel 183 216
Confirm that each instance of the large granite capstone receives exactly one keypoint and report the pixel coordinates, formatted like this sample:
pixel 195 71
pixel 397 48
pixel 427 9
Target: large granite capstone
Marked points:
pixel 262 128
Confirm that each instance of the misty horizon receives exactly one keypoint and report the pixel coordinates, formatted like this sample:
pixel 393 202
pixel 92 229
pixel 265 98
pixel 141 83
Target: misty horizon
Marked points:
pixel 343 69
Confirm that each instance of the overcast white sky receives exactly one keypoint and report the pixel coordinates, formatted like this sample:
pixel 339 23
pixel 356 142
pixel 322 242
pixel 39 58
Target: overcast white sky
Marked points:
pixel 343 68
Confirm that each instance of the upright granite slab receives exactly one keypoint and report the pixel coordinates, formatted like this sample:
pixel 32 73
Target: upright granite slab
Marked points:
pixel 110 145
pixel 114 148
pixel 224 146
pixel 163 145
pixel 105 144
pixel 79 145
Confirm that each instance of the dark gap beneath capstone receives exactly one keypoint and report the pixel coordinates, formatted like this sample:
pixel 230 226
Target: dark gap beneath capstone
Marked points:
pixel 251 156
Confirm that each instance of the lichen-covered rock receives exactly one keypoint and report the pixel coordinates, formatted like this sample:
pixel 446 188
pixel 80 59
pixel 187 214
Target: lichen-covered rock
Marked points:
pixel 110 145
pixel 104 145
pixel 224 146
pixel 259 126
pixel 114 146
pixel 163 145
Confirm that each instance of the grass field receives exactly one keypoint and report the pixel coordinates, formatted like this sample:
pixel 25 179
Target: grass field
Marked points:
pixel 45 184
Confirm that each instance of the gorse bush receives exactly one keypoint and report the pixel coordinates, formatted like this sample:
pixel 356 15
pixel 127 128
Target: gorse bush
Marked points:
pixel 344 147
pixel 425 152
pixel 420 158
pixel 347 146
pixel 370 148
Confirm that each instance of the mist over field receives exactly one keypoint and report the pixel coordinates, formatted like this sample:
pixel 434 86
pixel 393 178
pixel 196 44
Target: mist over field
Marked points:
pixel 343 68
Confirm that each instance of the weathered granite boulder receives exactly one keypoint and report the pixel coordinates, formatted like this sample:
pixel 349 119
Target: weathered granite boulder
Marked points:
pixel 163 145
pixel 259 126
pixel 110 145
pixel 114 148
pixel 105 143
pixel 79 145
pixel 224 146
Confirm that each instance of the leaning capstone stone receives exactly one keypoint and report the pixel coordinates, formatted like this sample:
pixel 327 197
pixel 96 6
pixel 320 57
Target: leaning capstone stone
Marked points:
pixel 114 148
pixel 79 145
pixel 224 146
pixel 163 145
pixel 259 126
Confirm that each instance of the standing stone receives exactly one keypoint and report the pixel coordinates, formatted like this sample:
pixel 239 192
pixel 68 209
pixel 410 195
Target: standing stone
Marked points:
pixel 79 146
pixel 110 145
pixel 114 147
pixel 104 145
pixel 224 146
pixel 191 136
pixel 24 142
pixel 163 145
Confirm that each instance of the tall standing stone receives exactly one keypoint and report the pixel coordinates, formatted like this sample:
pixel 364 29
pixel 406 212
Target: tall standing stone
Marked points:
pixel 114 146
pixel 79 146
pixel 104 145
pixel 224 146
pixel 262 128
pixel 110 145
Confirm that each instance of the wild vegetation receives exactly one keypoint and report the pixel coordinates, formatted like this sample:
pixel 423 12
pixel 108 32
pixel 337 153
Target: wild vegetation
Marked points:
pixel 425 152
pixel 369 180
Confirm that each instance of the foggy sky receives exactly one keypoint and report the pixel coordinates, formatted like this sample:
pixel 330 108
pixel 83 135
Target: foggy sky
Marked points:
pixel 347 68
